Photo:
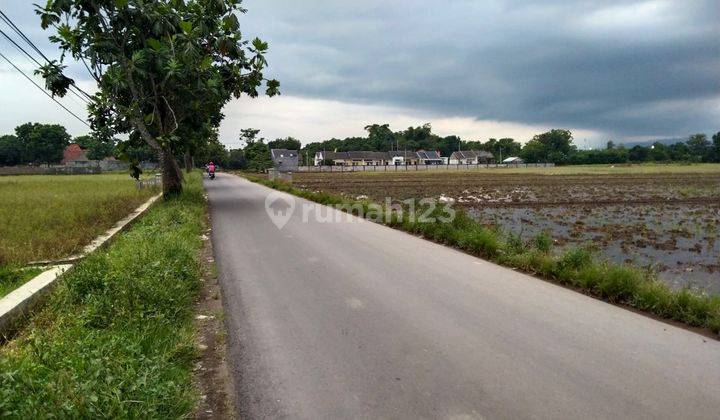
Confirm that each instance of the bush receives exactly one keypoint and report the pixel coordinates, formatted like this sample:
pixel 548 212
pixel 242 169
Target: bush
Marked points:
pixel 479 241
pixel 514 244
pixel 619 283
pixel 542 242
pixel 655 297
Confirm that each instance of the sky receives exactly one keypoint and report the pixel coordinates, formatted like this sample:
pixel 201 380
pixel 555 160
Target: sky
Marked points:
pixel 621 70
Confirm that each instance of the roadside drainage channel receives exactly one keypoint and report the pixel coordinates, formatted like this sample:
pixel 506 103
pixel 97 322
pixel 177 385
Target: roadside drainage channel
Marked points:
pixel 21 300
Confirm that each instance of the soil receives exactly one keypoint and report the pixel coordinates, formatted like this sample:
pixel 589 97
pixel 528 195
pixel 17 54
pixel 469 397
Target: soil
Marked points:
pixel 211 373
pixel 666 222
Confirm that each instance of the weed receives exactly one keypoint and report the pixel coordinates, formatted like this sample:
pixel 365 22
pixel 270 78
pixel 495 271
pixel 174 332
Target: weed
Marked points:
pixel 619 283
pixel 115 337
pixel 542 242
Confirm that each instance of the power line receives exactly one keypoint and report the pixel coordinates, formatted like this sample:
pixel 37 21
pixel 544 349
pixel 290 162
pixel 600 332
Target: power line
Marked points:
pixel 22 35
pixel 43 90
pixel 35 60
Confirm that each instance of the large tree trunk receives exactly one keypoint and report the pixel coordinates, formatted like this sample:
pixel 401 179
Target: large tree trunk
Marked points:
pixel 189 162
pixel 171 174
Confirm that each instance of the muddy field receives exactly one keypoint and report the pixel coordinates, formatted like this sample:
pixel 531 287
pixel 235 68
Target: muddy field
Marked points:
pixel 666 219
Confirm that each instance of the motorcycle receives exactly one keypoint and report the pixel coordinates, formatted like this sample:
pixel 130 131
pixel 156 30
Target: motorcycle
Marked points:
pixel 212 175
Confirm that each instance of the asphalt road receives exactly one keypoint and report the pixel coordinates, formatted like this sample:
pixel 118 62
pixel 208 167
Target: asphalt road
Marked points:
pixel 357 320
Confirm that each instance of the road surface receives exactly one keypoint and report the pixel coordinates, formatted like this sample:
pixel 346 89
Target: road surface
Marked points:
pixel 357 320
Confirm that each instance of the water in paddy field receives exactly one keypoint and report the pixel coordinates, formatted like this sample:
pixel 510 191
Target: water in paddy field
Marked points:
pixel 679 241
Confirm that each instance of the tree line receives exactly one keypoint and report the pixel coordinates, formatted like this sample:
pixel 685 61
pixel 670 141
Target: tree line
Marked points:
pixel 556 146
pixel 38 144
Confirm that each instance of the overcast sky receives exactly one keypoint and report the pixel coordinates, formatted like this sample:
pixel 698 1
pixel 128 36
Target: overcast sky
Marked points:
pixel 623 70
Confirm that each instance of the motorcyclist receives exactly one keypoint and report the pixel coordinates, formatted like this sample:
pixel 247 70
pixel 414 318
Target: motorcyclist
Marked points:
pixel 210 169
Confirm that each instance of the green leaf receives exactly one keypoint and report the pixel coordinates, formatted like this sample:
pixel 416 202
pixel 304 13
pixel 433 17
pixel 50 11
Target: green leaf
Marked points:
pixel 154 44
pixel 185 26
pixel 121 3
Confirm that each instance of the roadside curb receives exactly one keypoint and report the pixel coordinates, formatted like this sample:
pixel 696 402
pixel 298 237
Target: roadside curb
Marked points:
pixel 21 300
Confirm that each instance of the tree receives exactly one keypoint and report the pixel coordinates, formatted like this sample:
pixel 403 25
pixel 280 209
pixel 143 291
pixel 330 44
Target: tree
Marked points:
pixel 610 145
pixel 553 146
pixel 716 147
pixel 289 143
pixel 381 137
pixel 236 159
pixel 699 146
pixel 11 151
pixel 257 155
pixel 96 149
pixel 213 151
pixel 162 67
pixel 42 143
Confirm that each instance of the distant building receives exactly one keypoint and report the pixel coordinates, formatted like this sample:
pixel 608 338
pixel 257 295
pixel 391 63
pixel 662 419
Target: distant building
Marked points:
pixel 370 158
pixel 429 157
pixel 353 158
pixel 470 157
pixel 74 155
pixel 284 160
pixel 513 159
pixel 402 157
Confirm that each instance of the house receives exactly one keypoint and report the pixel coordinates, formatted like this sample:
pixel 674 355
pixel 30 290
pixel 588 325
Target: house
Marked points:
pixel 284 160
pixel 74 155
pixel 352 158
pixel 470 157
pixel 429 157
pixel 398 157
pixel 513 160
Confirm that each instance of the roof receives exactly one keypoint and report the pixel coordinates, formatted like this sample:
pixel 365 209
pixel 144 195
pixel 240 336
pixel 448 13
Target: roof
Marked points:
pixel 471 154
pixel 73 153
pixel 428 155
pixel 406 154
pixel 283 153
pixel 512 159
pixel 356 155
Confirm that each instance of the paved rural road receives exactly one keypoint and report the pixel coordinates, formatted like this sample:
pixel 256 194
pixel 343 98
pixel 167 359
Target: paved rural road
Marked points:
pixel 356 320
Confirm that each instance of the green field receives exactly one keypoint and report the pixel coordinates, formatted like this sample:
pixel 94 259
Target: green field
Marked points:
pixel 115 338
pixel 53 216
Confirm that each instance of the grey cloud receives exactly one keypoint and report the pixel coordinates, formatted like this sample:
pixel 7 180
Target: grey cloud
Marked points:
pixel 625 68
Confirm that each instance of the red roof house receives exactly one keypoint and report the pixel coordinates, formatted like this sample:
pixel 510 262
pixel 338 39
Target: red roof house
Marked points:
pixel 73 153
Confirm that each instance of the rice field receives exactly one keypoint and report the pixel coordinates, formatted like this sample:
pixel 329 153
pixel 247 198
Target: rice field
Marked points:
pixel 665 218
pixel 54 216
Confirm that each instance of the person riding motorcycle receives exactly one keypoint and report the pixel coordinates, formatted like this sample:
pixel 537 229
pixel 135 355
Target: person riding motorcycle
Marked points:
pixel 211 169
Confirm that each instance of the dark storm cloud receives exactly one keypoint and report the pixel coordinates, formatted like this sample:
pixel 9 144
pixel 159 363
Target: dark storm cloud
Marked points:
pixel 626 68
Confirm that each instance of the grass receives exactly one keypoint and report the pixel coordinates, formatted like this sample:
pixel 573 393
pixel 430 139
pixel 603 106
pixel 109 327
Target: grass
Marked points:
pixel 12 278
pixel 115 338
pixel 52 216
pixel 576 268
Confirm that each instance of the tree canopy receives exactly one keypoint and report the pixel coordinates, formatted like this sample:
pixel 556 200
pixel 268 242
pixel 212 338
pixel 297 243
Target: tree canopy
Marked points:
pixel 164 69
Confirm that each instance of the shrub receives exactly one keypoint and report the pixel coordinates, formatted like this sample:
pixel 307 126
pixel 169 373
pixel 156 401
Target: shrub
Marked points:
pixel 542 242
pixel 514 243
pixel 619 283
pixel 479 241
pixel 588 277
pixel 693 309
pixel 654 297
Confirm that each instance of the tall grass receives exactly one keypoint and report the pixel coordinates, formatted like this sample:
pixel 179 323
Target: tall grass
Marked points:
pixel 576 268
pixel 52 216
pixel 115 337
